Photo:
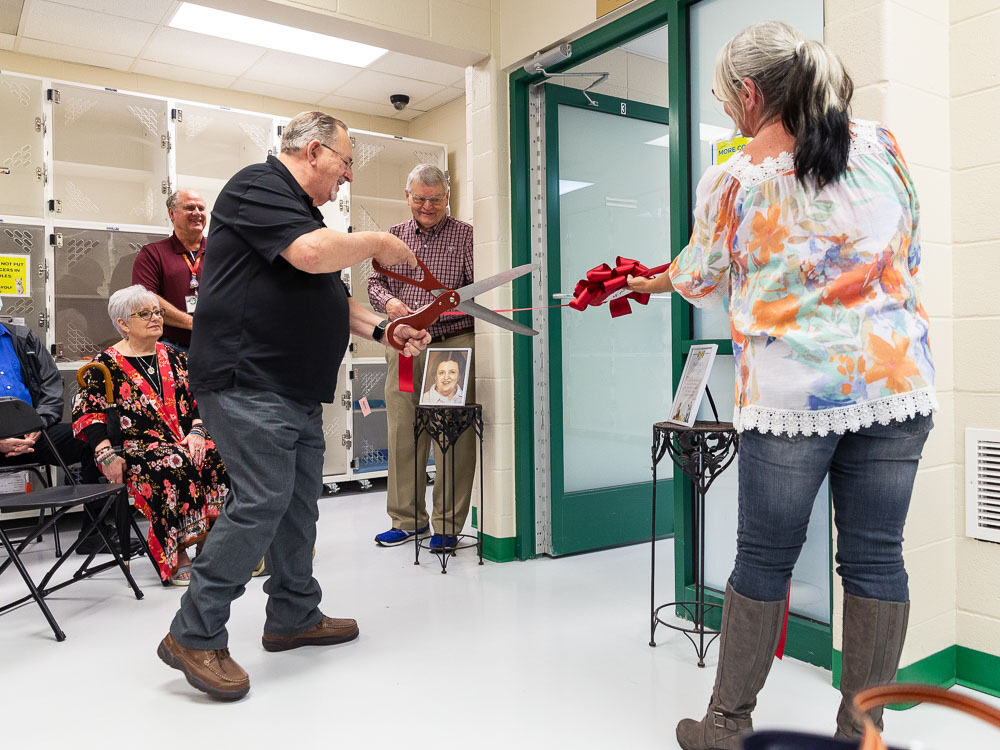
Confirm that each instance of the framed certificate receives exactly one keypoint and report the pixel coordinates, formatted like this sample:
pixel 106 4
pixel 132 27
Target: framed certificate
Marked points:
pixel 691 388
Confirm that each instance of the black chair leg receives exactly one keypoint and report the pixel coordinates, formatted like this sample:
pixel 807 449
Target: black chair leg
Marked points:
pixel 35 593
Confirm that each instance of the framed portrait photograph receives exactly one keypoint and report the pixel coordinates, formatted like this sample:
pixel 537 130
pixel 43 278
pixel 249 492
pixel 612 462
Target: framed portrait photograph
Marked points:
pixel 446 376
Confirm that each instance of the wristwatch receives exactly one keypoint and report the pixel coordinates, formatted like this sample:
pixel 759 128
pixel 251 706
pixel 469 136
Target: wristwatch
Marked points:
pixel 379 331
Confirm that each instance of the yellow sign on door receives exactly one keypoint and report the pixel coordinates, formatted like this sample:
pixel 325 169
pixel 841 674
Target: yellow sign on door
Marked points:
pixel 725 149
pixel 14 276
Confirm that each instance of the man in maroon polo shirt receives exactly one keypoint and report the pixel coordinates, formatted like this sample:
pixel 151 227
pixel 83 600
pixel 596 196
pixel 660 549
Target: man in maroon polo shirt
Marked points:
pixel 171 268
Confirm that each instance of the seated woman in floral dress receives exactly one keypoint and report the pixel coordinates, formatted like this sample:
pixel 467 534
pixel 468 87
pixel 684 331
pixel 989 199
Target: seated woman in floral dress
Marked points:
pixel 171 469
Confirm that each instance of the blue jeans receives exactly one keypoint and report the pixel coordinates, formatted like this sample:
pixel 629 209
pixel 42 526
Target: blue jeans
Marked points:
pixel 273 449
pixel 871 479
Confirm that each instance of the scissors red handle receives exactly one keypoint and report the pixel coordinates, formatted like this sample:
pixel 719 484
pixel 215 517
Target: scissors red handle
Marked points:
pixel 429 313
pixel 425 316
pixel 428 282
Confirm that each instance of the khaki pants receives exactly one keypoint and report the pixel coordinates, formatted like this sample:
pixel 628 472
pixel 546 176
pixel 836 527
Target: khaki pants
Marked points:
pixel 400 412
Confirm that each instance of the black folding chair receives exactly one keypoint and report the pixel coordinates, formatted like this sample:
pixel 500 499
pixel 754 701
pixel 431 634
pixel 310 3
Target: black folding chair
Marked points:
pixel 43 473
pixel 19 418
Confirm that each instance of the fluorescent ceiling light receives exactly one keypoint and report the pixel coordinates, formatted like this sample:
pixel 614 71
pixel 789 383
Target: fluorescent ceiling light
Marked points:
pixel 568 186
pixel 220 23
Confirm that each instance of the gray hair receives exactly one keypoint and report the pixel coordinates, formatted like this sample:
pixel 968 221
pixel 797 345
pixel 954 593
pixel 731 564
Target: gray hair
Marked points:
pixel 801 81
pixel 125 301
pixel 429 175
pixel 172 200
pixel 309 126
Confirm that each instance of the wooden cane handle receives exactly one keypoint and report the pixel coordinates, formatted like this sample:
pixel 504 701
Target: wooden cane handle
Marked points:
pixel 109 390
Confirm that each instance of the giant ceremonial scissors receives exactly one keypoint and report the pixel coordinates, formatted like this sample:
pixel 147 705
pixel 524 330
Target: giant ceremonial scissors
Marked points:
pixel 460 299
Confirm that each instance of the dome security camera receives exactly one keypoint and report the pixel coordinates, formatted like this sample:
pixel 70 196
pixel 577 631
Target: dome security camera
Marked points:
pixel 399 101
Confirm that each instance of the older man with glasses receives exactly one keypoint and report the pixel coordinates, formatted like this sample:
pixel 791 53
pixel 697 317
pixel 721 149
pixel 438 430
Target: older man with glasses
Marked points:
pixel 272 325
pixel 444 245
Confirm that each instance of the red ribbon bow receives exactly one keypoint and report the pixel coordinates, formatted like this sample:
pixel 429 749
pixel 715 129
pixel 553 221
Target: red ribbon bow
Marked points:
pixel 606 284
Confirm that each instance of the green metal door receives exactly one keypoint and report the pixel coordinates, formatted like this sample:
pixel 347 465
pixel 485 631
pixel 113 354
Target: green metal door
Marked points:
pixel 607 195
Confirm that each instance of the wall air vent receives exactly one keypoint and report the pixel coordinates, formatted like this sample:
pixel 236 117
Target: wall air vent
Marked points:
pixel 982 484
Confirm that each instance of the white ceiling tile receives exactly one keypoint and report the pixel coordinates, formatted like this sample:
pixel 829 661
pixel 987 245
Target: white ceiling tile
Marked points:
pixel 335 105
pixel 87 29
pixel 151 11
pixel 371 86
pixel 443 96
pixel 209 53
pixel 278 91
pixel 7 41
pixel 185 75
pixel 303 72
pixel 73 54
pixel 415 67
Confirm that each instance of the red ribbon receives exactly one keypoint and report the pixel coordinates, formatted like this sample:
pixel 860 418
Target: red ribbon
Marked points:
pixel 606 284
pixel 405 374
pixel 780 651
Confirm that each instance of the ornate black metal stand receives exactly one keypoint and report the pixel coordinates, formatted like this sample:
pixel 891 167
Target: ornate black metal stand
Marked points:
pixel 702 452
pixel 445 425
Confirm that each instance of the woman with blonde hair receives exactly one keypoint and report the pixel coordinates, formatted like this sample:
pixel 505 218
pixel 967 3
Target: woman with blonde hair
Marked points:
pixel 812 235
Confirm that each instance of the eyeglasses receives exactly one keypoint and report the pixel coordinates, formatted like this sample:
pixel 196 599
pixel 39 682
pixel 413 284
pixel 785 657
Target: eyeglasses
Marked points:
pixel 148 314
pixel 434 200
pixel 349 163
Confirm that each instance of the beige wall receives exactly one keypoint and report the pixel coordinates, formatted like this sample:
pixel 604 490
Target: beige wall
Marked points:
pixel 975 192
pixel 529 26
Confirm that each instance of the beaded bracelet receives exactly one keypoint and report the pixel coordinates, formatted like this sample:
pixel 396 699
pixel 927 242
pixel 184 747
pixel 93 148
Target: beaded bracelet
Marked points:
pixel 107 458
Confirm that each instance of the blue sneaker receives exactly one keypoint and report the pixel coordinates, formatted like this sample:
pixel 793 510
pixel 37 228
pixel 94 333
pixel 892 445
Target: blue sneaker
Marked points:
pixel 441 542
pixel 395 537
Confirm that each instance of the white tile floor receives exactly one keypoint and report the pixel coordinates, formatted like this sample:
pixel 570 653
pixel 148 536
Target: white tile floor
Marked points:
pixel 541 654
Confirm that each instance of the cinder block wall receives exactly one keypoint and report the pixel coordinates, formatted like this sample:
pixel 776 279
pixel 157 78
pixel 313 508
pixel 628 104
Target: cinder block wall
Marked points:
pixel 974 67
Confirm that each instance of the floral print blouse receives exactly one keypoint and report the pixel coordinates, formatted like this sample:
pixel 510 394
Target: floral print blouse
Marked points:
pixel 829 334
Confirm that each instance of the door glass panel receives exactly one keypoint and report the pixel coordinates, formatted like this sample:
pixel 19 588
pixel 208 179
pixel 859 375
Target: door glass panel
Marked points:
pixel 89 267
pixel 615 372
pixel 712 24
pixel 21 149
pixel 213 144
pixel 110 157
pixel 22 248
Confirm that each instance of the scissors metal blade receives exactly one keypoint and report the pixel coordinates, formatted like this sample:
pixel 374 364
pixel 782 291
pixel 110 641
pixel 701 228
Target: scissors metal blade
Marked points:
pixel 484 313
pixel 484 285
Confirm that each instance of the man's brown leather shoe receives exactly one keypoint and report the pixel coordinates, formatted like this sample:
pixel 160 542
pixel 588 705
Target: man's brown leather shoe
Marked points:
pixel 213 672
pixel 328 631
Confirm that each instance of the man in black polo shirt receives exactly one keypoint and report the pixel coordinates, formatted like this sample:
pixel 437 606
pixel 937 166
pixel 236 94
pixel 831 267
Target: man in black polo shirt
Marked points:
pixel 272 324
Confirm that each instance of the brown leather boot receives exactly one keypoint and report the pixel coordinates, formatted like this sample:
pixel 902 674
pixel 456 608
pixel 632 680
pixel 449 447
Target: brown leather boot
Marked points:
pixel 326 632
pixel 213 672
pixel 874 631
pixel 750 633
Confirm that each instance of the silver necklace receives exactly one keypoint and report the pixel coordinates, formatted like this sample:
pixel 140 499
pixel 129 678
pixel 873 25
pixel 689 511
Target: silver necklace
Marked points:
pixel 148 365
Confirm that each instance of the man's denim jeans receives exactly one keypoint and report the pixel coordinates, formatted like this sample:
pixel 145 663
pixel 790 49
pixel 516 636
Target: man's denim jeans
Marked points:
pixel 273 449
pixel 871 479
